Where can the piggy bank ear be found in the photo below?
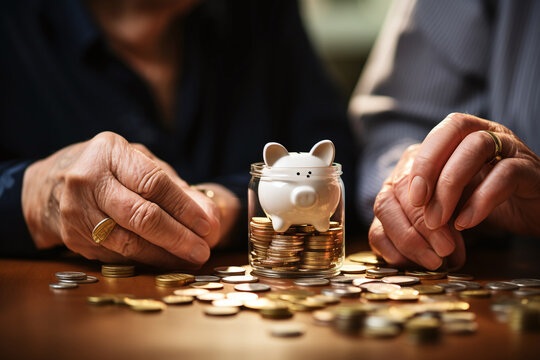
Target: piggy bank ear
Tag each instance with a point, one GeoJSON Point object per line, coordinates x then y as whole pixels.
{"type": "Point", "coordinates": [273, 152]}
{"type": "Point", "coordinates": [324, 150]}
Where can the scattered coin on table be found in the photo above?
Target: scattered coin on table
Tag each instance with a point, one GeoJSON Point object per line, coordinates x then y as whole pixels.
{"type": "Point", "coordinates": [252, 287]}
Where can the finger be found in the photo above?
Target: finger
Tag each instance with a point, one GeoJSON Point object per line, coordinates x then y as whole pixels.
{"type": "Point", "coordinates": [508, 177]}
{"type": "Point", "coordinates": [382, 246]}
{"type": "Point", "coordinates": [436, 149]}
{"type": "Point", "coordinates": [143, 176]}
{"type": "Point", "coordinates": [165, 166]}
{"type": "Point", "coordinates": [440, 239]}
{"type": "Point", "coordinates": [133, 247]}
{"type": "Point", "coordinates": [149, 221]}
{"type": "Point", "coordinates": [468, 159]}
{"type": "Point", "coordinates": [457, 259]}
{"type": "Point", "coordinates": [399, 230]}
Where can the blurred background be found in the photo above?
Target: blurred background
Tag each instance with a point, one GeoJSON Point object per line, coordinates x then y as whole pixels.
{"type": "Point", "coordinates": [342, 32]}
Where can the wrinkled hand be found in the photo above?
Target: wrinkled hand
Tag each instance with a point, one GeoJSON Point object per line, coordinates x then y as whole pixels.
{"type": "Point", "coordinates": [449, 176]}
{"type": "Point", "coordinates": [160, 220]}
{"type": "Point", "coordinates": [398, 232]}
{"type": "Point", "coordinates": [454, 160]}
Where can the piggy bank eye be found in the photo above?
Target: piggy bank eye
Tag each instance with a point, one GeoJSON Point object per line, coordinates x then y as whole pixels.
{"type": "Point", "coordinates": [298, 173]}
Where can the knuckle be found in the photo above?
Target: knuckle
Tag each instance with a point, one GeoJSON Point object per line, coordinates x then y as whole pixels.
{"type": "Point", "coordinates": [130, 246]}
{"type": "Point", "coordinates": [145, 217]}
{"type": "Point", "coordinates": [447, 180]}
{"type": "Point", "coordinates": [508, 168]}
{"type": "Point", "coordinates": [407, 244]}
{"type": "Point", "coordinates": [379, 204]}
{"type": "Point", "coordinates": [151, 181]}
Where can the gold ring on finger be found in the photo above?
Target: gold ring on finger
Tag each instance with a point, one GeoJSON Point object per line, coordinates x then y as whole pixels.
{"type": "Point", "coordinates": [102, 230]}
{"type": "Point", "coordinates": [498, 147]}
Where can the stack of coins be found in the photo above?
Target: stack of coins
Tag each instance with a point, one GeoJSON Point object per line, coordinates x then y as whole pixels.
{"type": "Point", "coordinates": [300, 248]}
{"type": "Point", "coordinates": [174, 280]}
{"type": "Point", "coordinates": [117, 271]}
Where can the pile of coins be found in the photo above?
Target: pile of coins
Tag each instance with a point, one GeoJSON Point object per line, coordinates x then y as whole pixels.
{"type": "Point", "coordinates": [117, 271]}
{"type": "Point", "coordinates": [300, 249]}
{"type": "Point", "coordinates": [72, 279]}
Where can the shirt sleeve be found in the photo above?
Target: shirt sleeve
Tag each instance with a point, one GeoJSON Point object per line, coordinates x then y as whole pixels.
{"type": "Point", "coordinates": [15, 240]}
{"type": "Point", "coordinates": [430, 60]}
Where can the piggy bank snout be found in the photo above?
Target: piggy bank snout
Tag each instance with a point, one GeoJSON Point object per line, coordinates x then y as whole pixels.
{"type": "Point", "coordinates": [304, 196]}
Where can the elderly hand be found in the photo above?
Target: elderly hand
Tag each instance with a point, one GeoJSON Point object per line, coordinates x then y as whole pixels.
{"type": "Point", "coordinates": [160, 220]}
{"type": "Point", "coordinates": [451, 175]}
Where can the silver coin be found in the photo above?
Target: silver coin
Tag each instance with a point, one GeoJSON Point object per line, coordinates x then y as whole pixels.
{"type": "Point", "coordinates": [526, 282]}
{"type": "Point", "coordinates": [229, 270]}
{"type": "Point", "coordinates": [252, 287]}
{"type": "Point", "coordinates": [362, 281]}
{"type": "Point", "coordinates": [342, 279]}
{"type": "Point", "coordinates": [471, 285]}
{"type": "Point", "coordinates": [207, 278]}
{"type": "Point", "coordinates": [380, 288]}
{"type": "Point", "coordinates": [238, 279]}
{"type": "Point", "coordinates": [452, 287]}
{"type": "Point", "coordinates": [209, 297]}
{"type": "Point", "coordinates": [342, 292]}
{"type": "Point", "coordinates": [63, 285]}
{"type": "Point", "coordinates": [501, 286]}
{"type": "Point", "coordinates": [288, 330]}
{"type": "Point", "coordinates": [70, 275]}
{"type": "Point", "coordinates": [401, 280]}
{"type": "Point", "coordinates": [221, 310]}
{"type": "Point", "coordinates": [353, 269]}
{"type": "Point", "coordinates": [88, 280]}
{"type": "Point", "coordinates": [526, 292]}
{"type": "Point", "coordinates": [311, 282]}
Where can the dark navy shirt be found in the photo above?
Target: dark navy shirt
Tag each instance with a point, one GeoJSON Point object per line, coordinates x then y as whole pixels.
{"type": "Point", "coordinates": [249, 76]}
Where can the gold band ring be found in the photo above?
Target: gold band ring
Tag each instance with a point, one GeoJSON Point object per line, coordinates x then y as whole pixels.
{"type": "Point", "coordinates": [102, 230]}
{"type": "Point", "coordinates": [498, 147]}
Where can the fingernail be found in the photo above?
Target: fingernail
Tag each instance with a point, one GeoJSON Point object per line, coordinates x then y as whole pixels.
{"type": "Point", "coordinates": [199, 254]}
{"type": "Point", "coordinates": [433, 215]}
{"type": "Point", "coordinates": [464, 219]}
{"type": "Point", "coordinates": [429, 259]}
{"type": "Point", "coordinates": [201, 227]}
{"type": "Point", "coordinates": [440, 242]}
{"type": "Point", "coordinates": [418, 191]}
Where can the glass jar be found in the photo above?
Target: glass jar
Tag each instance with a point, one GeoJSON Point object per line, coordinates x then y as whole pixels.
{"type": "Point", "coordinates": [313, 248]}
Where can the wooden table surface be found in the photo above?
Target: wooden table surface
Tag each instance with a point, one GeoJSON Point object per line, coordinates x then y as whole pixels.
{"type": "Point", "coordinates": [40, 323]}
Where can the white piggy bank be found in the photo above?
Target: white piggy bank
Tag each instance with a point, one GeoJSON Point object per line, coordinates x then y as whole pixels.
{"type": "Point", "coordinates": [299, 188]}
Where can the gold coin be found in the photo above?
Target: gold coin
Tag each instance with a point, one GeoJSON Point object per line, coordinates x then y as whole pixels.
{"type": "Point", "coordinates": [429, 289]}
{"type": "Point", "coordinates": [100, 299]}
{"type": "Point", "coordinates": [366, 257]}
{"type": "Point", "coordinates": [375, 296]}
{"type": "Point", "coordinates": [404, 294]}
{"type": "Point", "coordinates": [174, 280]}
{"type": "Point", "coordinates": [475, 294]}
{"type": "Point", "coordinates": [207, 285]}
{"type": "Point", "coordinates": [102, 230]}
{"type": "Point", "coordinates": [177, 299]}
{"type": "Point", "coordinates": [426, 275]}
{"type": "Point", "coordinates": [145, 304]}
{"type": "Point", "coordinates": [221, 310]}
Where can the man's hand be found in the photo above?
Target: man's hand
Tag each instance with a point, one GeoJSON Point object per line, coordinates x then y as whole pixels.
{"type": "Point", "coordinates": [160, 220]}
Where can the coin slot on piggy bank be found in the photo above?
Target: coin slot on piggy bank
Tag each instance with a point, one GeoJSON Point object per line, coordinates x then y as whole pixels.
{"type": "Point", "coordinates": [296, 212]}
